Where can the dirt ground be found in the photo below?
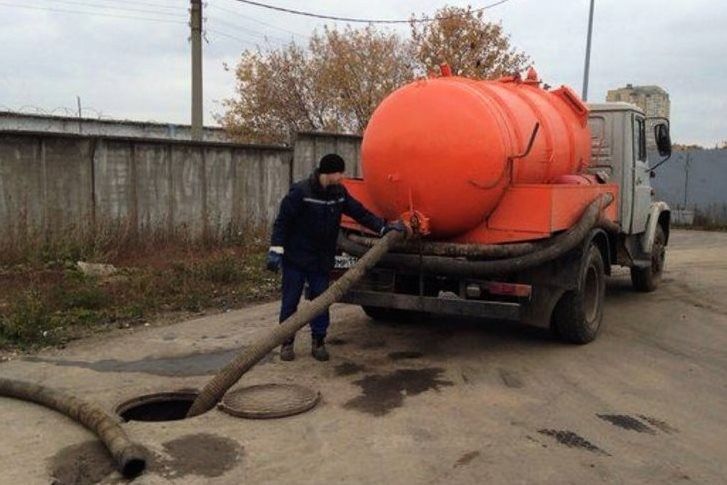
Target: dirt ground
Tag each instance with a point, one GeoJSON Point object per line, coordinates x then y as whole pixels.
{"type": "Point", "coordinates": [435, 402]}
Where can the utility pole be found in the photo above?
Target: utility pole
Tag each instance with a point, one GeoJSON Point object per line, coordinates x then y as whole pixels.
{"type": "Point", "coordinates": [588, 54]}
{"type": "Point", "coordinates": [195, 23]}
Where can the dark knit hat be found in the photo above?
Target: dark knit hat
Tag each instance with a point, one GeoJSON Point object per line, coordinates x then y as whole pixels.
{"type": "Point", "coordinates": [331, 163]}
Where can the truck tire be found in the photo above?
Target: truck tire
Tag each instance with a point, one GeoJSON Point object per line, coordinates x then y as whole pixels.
{"type": "Point", "coordinates": [648, 279]}
{"type": "Point", "coordinates": [578, 314]}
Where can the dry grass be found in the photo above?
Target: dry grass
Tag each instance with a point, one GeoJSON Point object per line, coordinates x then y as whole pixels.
{"type": "Point", "coordinates": [46, 300]}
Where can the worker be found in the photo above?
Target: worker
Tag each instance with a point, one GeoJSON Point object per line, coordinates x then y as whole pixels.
{"type": "Point", "coordinates": [304, 242]}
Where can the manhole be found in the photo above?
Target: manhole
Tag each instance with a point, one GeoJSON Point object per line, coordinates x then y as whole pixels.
{"type": "Point", "coordinates": [161, 406]}
{"type": "Point", "coordinates": [269, 401]}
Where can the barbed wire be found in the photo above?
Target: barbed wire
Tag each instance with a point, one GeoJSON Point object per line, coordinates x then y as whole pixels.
{"type": "Point", "coordinates": [67, 112]}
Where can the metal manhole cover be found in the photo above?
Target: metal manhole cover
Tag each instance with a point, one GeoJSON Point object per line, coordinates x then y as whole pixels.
{"type": "Point", "coordinates": [269, 401]}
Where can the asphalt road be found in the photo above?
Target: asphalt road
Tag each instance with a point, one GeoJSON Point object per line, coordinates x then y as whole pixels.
{"type": "Point", "coordinates": [433, 402]}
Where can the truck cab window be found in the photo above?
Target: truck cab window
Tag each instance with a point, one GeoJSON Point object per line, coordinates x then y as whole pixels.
{"type": "Point", "coordinates": [639, 139]}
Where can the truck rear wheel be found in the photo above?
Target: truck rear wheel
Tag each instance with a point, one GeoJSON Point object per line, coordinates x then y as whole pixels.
{"type": "Point", "coordinates": [648, 279]}
{"type": "Point", "coordinates": [578, 314]}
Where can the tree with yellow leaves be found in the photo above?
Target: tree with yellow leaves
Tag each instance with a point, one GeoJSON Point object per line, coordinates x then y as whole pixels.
{"type": "Point", "coordinates": [338, 80]}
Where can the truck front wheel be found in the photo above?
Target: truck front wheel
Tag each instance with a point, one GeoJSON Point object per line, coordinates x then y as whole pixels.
{"type": "Point", "coordinates": [648, 279]}
{"type": "Point", "coordinates": [578, 314]}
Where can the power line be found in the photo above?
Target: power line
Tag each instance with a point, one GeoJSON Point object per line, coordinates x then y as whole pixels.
{"type": "Point", "coordinates": [127, 9]}
{"type": "Point", "coordinates": [94, 14]}
{"type": "Point", "coordinates": [230, 36]}
{"type": "Point", "coordinates": [246, 30]}
{"type": "Point", "coordinates": [146, 4]}
{"type": "Point", "coordinates": [272, 26]}
{"type": "Point", "coordinates": [361, 20]}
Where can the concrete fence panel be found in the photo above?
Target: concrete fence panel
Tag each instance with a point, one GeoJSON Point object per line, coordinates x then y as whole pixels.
{"type": "Point", "coordinates": [21, 184]}
{"type": "Point", "coordinates": [113, 180]}
{"type": "Point", "coordinates": [310, 147]}
{"type": "Point", "coordinates": [68, 178]}
{"type": "Point", "coordinates": [153, 187]}
{"type": "Point", "coordinates": [54, 182]}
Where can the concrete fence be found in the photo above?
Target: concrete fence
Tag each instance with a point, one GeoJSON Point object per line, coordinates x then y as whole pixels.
{"type": "Point", "coordinates": [694, 181]}
{"type": "Point", "coordinates": [310, 147]}
{"type": "Point", "coordinates": [53, 182]}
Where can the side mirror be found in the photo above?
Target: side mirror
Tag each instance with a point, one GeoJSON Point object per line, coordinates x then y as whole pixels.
{"type": "Point", "coordinates": [663, 140]}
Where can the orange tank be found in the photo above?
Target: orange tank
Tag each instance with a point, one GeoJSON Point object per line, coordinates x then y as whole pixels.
{"type": "Point", "coordinates": [449, 147]}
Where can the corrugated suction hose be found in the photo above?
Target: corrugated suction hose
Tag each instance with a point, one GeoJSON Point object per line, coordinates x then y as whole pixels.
{"type": "Point", "coordinates": [526, 255]}
{"type": "Point", "coordinates": [231, 373]}
{"type": "Point", "coordinates": [129, 457]}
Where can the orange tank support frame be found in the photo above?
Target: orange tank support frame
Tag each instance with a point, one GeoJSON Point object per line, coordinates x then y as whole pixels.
{"type": "Point", "coordinates": [525, 212]}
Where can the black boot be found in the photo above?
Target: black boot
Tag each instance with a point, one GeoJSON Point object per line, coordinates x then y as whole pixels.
{"type": "Point", "coordinates": [318, 349]}
{"type": "Point", "coordinates": [287, 353]}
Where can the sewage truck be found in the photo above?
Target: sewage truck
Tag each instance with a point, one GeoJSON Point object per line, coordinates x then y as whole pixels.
{"type": "Point", "coordinates": [521, 199]}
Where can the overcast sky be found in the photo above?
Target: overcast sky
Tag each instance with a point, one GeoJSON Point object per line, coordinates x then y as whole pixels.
{"type": "Point", "coordinates": [135, 63]}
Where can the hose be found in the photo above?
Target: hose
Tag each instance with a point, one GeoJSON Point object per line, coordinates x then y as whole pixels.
{"type": "Point", "coordinates": [231, 373]}
{"type": "Point", "coordinates": [557, 246]}
{"type": "Point", "coordinates": [435, 248]}
{"type": "Point", "coordinates": [129, 457]}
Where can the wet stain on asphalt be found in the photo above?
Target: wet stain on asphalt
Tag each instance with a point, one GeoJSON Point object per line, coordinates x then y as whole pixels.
{"type": "Point", "coordinates": [348, 369]}
{"type": "Point", "coordinates": [466, 458]}
{"type": "Point", "coordinates": [659, 424]}
{"type": "Point", "coordinates": [373, 344]}
{"type": "Point", "coordinates": [336, 341]}
{"type": "Point", "coordinates": [200, 454]}
{"type": "Point", "coordinates": [87, 462]}
{"type": "Point", "coordinates": [407, 354]}
{"type": "Point", "coordinates": [510, 379]}
{"type": "Point", "coordinates": [383, 393]}
{"type": "Point", "coordinates": [572, 440]}
{"type": "Point", "coordinates": [186, 365]}
{"type": "Point", "coordinates": [626, 422]}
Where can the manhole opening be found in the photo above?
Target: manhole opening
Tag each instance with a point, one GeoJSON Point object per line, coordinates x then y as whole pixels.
{"type": "Point", "coordinates": [162, 406]}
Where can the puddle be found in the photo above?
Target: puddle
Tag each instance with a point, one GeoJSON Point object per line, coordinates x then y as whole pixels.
{"type": "Point", "coordinates": [626, 422]}
{"type": "Point", "coordinates": [658, 423]}
{"type": "Point", "coordinates": [383, 393]}
{"type": "Point", "coordinates": [348, 369]}
{"type": "Point", "coordinates": [407, 354]}
{"type": "Point", "coordinates": [200, 454]}
{"type": "Point", "coordinates": [572, 440]}
{"type": "Point", "coordinates": [185, 365]}
{"type": "Point", "coordinates": [373, 344]}
{"type": "Point", "coordinates": [83, 463]}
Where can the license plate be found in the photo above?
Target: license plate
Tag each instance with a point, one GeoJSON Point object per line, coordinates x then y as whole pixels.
{"type": "Point", "coordinates": [344, 261]}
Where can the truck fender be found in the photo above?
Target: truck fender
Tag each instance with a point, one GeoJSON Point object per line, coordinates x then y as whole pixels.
{"type": "Point", "coordinates": [600, 238]}
{"type": "Point", "coordinates": [553, 279]}
{"type": "Point", "coordinates": [658, 212]}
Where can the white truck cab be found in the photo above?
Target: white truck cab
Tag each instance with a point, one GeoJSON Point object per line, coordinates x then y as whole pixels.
{"type": "Point", "coordinates": [619, 139]}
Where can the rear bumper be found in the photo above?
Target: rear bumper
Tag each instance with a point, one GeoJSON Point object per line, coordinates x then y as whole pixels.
{"type": "Point", "coordinates": [429, 304]}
